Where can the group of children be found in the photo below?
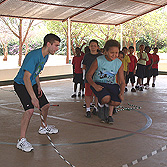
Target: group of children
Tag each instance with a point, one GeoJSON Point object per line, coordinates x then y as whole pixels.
{"type": "Point", "coordinates": [144, 66]}
{"type": "Point", "coordinates": [105, 76]}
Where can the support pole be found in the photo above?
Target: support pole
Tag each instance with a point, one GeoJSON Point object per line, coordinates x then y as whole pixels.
{"type": "Point", "coordinates": [68, 41]}
{"type": "Point", "coordinates": [121, 37]}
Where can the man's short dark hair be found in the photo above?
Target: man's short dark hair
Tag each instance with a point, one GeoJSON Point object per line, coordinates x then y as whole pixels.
{"type": "Point", "coordinates": [51, 38]}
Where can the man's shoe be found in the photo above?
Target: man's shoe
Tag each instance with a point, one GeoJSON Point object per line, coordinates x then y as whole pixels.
{"type": "Point", "coordinates": [24, 145]}
{"type": "Point", "coordinates": [133, 90]}
{"type": "Point", "coordinates": [50, 129]}
{"type": "Point", "coordinates": [110, 120]}
{"type": "Point", "coordinates": [153, 84]}
{"type": "Point", "coordinates": [83, 95]}
{"type": "Point", "coordinates": [88, 114]}
{"type": "Point", "coordinates": [73, 96]}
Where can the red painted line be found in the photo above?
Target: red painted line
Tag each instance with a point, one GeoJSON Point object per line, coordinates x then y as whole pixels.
{"type": "Point", "coordinates": [123, 130]}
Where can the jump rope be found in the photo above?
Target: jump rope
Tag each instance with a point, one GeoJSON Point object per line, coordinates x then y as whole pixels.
{"type": "Point", "coordinates": [49, 138]}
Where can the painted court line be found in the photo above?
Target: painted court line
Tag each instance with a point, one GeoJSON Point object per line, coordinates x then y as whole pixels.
{"type": "Point", "coordinates": [107, 127]}
{"type": "Point", "coordinates": [145, 157]}
{"type": "Point", "coordinates": [123, 130]}
{"type": "Point", "coordinates": [137, 132]}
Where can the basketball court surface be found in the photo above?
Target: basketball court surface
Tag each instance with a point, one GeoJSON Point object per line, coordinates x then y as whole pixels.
{"type": "Point", "coordinates": [137, 138]}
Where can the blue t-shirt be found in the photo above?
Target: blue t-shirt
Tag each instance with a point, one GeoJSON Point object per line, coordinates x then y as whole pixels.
{"type": "Point", "coordinates": [106, 70]}
{"type": "Point", "coordinates": [34, 63]}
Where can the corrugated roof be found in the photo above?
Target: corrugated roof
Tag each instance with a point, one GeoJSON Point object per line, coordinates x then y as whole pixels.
{"type": "Point", "coordinates": [113, 12]}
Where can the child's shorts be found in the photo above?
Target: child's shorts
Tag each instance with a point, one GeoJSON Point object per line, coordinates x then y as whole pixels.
{"type": "Point", "coordinates": [155, 72]}
{"type": "Point", "coordinates": [148, 72]}
{"type": "Point", "coordinates": [130, 76]}
{"type": "Point", "coordinates": [78, 78]}
{"type": "Point", "coordinates": [25, 97]}
{"type": "Point", "coordinates": [140, 72]}
{"type": "Point", "coordinates": [112, 90]}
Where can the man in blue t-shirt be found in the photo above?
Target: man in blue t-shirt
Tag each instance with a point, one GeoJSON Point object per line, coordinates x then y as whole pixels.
{"type": "Point", "coordinates": [27, 86]}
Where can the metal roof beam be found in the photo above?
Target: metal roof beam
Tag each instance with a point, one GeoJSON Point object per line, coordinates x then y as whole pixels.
{"type": "Point", "coordinates": [3, 1]}
{"type": "Point", "coordinates": [144, 3]}
{"type": "Point", "coordinates": [84, 10]}
{"type": "Point", "coordinates": [46, 3]}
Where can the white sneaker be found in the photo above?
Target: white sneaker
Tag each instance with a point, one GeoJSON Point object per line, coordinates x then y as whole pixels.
{"type": "Point", "coordinates": [24, 145]}
{"type": "Point", "coordinates": [50, 129]}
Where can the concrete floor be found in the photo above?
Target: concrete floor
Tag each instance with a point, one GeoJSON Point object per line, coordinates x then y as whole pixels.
{"type": "Point", "coordinates": [137, 137]}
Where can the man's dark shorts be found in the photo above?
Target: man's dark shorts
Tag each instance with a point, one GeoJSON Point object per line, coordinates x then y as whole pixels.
{"type": "Point", "coordinates": [25, 97]}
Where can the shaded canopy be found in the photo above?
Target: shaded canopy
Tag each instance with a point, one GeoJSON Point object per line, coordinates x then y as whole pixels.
{"type": "Point", "coordinates": [111, 12]}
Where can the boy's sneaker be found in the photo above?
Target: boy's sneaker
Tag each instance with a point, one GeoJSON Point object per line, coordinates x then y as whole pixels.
{"type": "Point", "coordinates": [24, 145]}
{"type": "Point", "coordinates": [103, 121]}
{"type": "Point", "coordinates": [153, 84]}
{"type": "Point", "coordinates": [126, 89]}
{"type": "Point", "coordinates": [110, 120]}
{"type": "Point", "coordinates": [73, 96]}
{"type": "Point", "coordinates": [88, 114]}
{"type": "Point", "coordinates": [79, 94]}
{"type": "Point", "coordinates": [141, 88]}
{"type": "Point", "coordinates": [94, 112]}
{"type": "Point", "coordinates": [50, 129]}
{"type": "Point", "coordinates": [133, 90]}
{"type": "Point", "coordinates": [115, 111]}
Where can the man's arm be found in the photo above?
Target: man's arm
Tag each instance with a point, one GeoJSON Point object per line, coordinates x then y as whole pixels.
{"type": "Point", "coordinates": [39, 86]}
{"type": "Point", "coordinates": [29, 88]}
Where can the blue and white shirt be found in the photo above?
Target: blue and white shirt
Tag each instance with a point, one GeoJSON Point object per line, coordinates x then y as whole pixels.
{"type": "Point", "coordinates": [106, 70]}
